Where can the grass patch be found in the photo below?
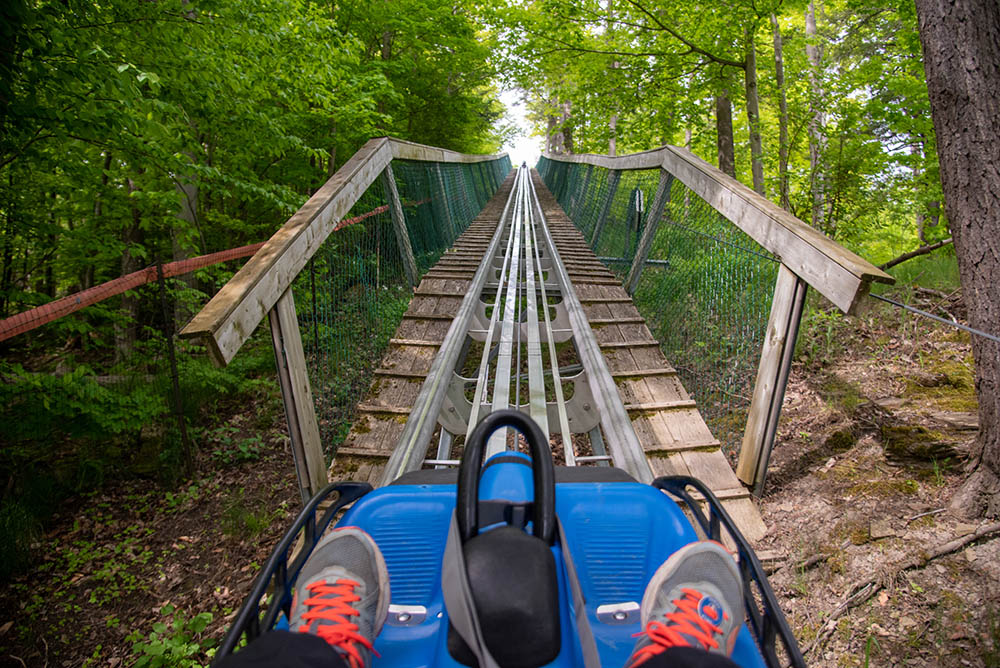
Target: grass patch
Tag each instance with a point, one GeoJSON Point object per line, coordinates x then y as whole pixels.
{"type": "Point", "coordinates": [884, 489]}
{"type": "Point", "coordinates": [938, 270]}
{"type": "Point", "coordinates": [951, 386]}
{"type": "Point", "coordinates": [240, 520]}
{"type": "Point", "coordinates": [840, 394]}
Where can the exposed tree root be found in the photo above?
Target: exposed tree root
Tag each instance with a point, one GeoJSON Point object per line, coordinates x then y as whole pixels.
{"type": "Point", "coordinates": [862, 591]}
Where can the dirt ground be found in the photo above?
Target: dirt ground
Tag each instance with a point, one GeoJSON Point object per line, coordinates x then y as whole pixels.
{"type": "Point", "coordinates": [139, 573]}
{"type": "Point", "coordinates": [873, 442]}
{"type": "Point", "coordinates": [876, 427]}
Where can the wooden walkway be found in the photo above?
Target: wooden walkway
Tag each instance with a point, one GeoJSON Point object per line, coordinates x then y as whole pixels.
{"type": "Point", "coordinates": [665, 419]}
{"type": "Point", "coordinates": [384, 410]}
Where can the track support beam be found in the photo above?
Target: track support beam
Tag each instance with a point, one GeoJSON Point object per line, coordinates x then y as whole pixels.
{"type": "Point", "coordinates": [772, 378]}
{"type": "Point", "coordinates": [652, 225]}
{"type": "Point", "coordinates": [307, 448]}
{"type": "Point", "coordinates": [399, 226]}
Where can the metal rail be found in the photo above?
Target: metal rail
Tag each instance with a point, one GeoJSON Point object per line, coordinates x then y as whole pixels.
{"type": "Point", "coordinates": [520, 281]}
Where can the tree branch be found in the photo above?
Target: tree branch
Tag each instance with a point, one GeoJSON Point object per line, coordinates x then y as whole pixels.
{"type": "Point", "coordinates": [742, 64]}
{"type": "Point", "coordinates": [923, 250]}
{"type": "Point", "coordinates": [862, 591]}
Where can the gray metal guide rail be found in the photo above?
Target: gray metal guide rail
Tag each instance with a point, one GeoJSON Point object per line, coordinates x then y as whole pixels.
{"type": "Point", "coordinates": [524, 334]}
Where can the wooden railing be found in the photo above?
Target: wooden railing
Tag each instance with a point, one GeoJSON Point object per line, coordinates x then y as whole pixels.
{"type": "Point", "coordinates": [262, 288]}
{"type": "Point", "coordinates": [808, 258]}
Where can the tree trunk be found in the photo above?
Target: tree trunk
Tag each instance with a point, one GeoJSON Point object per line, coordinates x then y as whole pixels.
{"type": "Point", "coordinates": [562, 138]}
{"type": "Point", "coordinates": [550, 134]}
{"type": "Point", "coordinates": [753, 112]}
{"type": "Point", "coordinates": [612, 139]}
{"type": "Point", "coordinates": [188, 215]}
{"type": "Point", "coordinates": [87, 275]}
{"type": "Point", "coordinates": [7, 262]}
{"type": "Point", "coordinates": [49, 284]}
{"type": "Point", "coordinates": [779, 79]}
{"type": "Point", "coordinates": [724, 132]}
{"type": "Point", "coordinates": [125, 331]}
{"type": "Point", "coordinates": [961, 44]}
{"type": "Point", "coordinates": [816, 122]}
{"type": "Point", "coordinates": [609, 33]}
{"type": "Point", "coordinates": [567, 128]}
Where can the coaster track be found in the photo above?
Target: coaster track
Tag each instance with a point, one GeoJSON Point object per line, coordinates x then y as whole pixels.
{"type": "Point", "coordinates": [522, 311]}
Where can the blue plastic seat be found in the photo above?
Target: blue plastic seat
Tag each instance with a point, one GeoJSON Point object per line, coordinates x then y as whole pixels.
{"type": "Point", "coordinates": [618, 534]}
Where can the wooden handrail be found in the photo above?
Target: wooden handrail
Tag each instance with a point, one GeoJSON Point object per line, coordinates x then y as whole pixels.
{"type": "Point", "coordinates": [229, 319]}
{"type": "Point", "coordinates": [835, 272]}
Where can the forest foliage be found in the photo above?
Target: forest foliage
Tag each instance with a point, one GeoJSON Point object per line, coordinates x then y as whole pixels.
{"type": "Point", "coordinates": [144, 132]}
{"type": "Point", "coordinates": [838, 109]}
{"type": "Point", "coordinates": [138, 132]}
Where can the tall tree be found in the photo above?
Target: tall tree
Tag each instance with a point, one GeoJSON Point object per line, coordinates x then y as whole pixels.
{"type": "Point", "coordinates": [961, 43]}
{"type": "Point", "coordinates": [817, 121]}
{"type": "Point", "coordinates": [779, 82]}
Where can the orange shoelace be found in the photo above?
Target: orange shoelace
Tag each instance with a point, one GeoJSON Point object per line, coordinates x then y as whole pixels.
{"type": "Point", "coordinates": [332, 604]}
{"type": "Point", "coordinates": [685, 622]}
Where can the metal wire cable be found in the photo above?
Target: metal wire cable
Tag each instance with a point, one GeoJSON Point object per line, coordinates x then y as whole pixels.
{"type": "Point", "coordinates": [957, 325]}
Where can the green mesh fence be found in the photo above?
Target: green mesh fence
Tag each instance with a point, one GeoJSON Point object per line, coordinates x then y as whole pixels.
{"type": "Point", "coordinates": [705, 291]}
{"type": "Point", "coordinates": [352, 295]}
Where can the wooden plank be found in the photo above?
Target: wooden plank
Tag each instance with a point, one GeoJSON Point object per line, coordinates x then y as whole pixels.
{"type": "Point", "coordinates": [664, 371]}
{"type": "Point", "coordinates": [428, 316]}
{"type": "Point", "coordinates": [407, 150]}
{"type": "Point", "coordinates": [376, 408]}
{"type": "Point", "coordinates": [837, 273]}
{"type": "Point", "coordinates": [363, 452]}
{"type": "Point", "coordinates": [711, 468]}
{"type": "Point", "coordinates": [746, 516]}
{"type": "Point", "coordinates": [415, 342]}
{"type": "Point", "coordinates": [400, 374]}
{"type": "Point", "coordinates": [606, 300]}
{"type": "Point", "coordinates": [293, 378]}
{"type": "Point", "coordinates": [373, 431]}
{"type": "Point", "coordinates": [660, 405]}
{"type": "Point", "coordinates": [645, 160]}
{"type": "Point", "coordinates": [668, 465]}
{"type": "Point", "coordinates": [406, 359]}
{"type": "Point", "coordinates": [229, 319]}
{"type": "Point", "coordinates": [632, 344]}
{"type": "Point", "coordinates": [234, 313]}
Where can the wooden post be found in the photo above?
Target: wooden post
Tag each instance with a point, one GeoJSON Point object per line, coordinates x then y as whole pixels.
{"type": "Point", "coordinates": [487, 188]}
{"type": "Point", "coordinates": [482, 182]}
{"type": "Point", "coordinates": [494, 175]}
{"type": "Point", "coordinates": [652, 224]}
{"type": "Point", "coordinates": [399, 225]}
{"type": "Point", "coordinates": [772, 377]}
{"type": "Point", "coordinates": [445, 204]}
{"type": "Point", "coordinates": [582, 195]}
{"type": "Point", "coordinates": [469, 194]}
{"type": "Point", "coordinates": [307, 449]}
{"type": "Point", "coordinates": [613, 178]}
{"type": "Point", "coordinates": [168, 333]}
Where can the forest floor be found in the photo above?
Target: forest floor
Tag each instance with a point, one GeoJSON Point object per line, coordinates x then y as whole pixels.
{"type": "Point", "coordinates": [878, 420]}
{"type": "Point", "coordinates": [874, 439]}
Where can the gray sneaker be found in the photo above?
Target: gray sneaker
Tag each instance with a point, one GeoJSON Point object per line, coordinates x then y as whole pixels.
{"type": "Point", "coordinates": [342, 594]}
{"type": "Point", "coordinates": [695, 599]}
